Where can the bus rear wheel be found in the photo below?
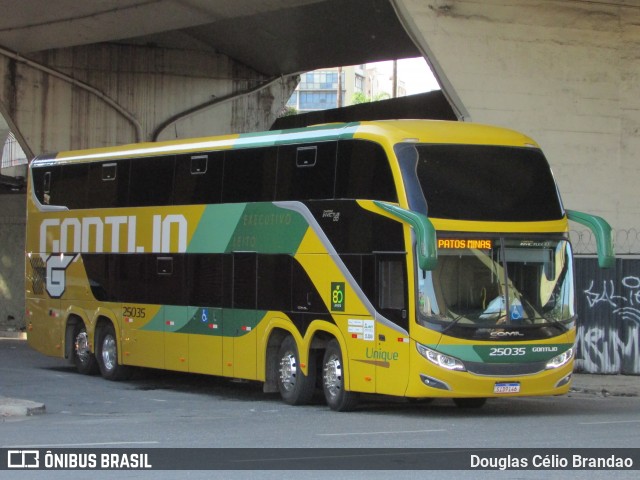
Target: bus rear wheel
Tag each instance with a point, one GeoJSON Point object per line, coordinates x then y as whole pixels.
{"type": "Point", "coordinates": [336, 396]}
{"type": "Point", "coordinates": [107, 355]}
{"type": "Point", "coordinates": [295, 387]}
{"type": "Point", "coordinates": [83, 358]}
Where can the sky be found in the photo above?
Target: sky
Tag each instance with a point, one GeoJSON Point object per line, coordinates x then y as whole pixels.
{"type": "Point", "coordinates": [414, 72]}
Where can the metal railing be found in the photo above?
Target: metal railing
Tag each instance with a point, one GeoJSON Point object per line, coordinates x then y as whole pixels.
{"type": "Point", "coordinates": [12, 154]}
{"type": "Point", "coordinates": [625, 242]}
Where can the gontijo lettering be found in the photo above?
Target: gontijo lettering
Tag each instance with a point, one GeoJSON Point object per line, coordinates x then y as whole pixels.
{"type": "Point", "coordinates": [87, 234]}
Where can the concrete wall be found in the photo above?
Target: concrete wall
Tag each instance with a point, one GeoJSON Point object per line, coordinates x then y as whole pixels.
{"type": "Point", "coordinates": [110, 94]}
{"type": "Point", "coordinates": [12, 226]}
{"type": "Point", "coordinates": [608, 303]}
{"type": "Point", "coordinates": [566, 73]}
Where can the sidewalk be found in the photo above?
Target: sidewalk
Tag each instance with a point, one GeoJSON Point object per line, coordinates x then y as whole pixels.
{"type": "Point", "coordinates": [607, 385]}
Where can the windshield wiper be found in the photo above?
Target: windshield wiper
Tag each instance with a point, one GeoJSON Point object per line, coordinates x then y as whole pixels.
{"type": "Point", "coordinates": [452, 324]}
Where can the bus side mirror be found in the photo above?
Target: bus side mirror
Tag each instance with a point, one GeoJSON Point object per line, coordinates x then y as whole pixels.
{"type": "Point", "coordinates": [424, 230]}
{"type": "Point", "coordinates": [602, 231]}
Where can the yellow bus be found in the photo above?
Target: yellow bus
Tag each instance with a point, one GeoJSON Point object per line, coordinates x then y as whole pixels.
{"type": "Point", "coordinates": [418, 259]}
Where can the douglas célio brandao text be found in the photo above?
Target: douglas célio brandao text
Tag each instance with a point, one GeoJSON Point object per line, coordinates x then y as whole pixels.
{"type": "Point", "coordinates": [550, 461]}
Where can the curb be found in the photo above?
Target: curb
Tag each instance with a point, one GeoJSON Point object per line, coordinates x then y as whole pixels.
{"type": "Point", "coordinates": [13, 407]}
{"type": "Point", "coordinates": [14, 335]}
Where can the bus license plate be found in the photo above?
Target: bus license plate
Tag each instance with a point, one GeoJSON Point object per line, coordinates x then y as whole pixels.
{"type": "Point", "coordinates": [506, 388]}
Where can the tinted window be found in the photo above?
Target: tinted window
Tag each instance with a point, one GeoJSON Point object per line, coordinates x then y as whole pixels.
{"type": "Point", "coordinates": [391, 288]}
{"type": "Point", "coordinates": [364, 172]}
{"type": "Point", "coordinates": [206, 280]}
{"type": "Point", "coordinates": [71, 189]}
{"type": "Point", "coordinates": [151, 181]}
{"type": "Point", "coordinates": [199, 178]}
{"type": "Point", "coordinates": [43, 179]}
{"type": "Point", "coordinates": [352, 229]}
{"type": "Point", "coordinates": [133, 280]}
{"type": "Point", "coordinates": [362, 268]}
{"type": "Point", "coordinates": [168, 285]}
{"type": "Point", "coordinates": [306, 172]}
{"type": "Point", "coordinates": [477, 182]}
{"type": "Point", "coordinates": [249, 175]}
{"type": "Point", "coordinates": [304, 295]}
{"type": "Point", "coordinates": [101, 273]}
{"type": "Point", "coordinates": [244, 280]}
{"type": "Point", "coordinates": [108, 184]}
{"type": "Point", "coordinates": [274, 282]}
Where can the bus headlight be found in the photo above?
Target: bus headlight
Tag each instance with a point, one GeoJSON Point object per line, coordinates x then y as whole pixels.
{"type": "Point", "coordinates": [440, 359]}
{"type": "Point", "coordinates": [560, 360]}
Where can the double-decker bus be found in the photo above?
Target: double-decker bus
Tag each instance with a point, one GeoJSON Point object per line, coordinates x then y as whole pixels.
{"type": "Point", "coordinates": [418, 259]}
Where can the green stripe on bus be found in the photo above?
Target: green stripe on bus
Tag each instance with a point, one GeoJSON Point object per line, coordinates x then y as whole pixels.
{"type": "Point", "coordinates": [255, 227]}
{"type": "Point", "coordinates": [321, 133]}
{"type": "Point", "coordinates": [218, 322]}
{"type": "Point", "coordinates": [265, 228]}
{"type": "Point", "coordinates": [216, 228]}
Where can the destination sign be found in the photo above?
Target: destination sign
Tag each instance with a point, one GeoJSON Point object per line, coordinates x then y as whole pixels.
{"type": "Point", "coordinates": [459, 243]}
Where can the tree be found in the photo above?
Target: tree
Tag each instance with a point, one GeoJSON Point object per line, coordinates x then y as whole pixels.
{"type": "Point", "coordinates": [288, 112]}
{"type": "Point", "coordinates": [360, 97]}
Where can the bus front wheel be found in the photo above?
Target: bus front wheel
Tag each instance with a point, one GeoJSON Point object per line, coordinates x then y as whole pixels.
{"type": "Point", "coordinates": [295, 387]}
{"type": "Point", "coordinates": [107, 355]}
{"type": "Point", "coordinates": [337, 397]}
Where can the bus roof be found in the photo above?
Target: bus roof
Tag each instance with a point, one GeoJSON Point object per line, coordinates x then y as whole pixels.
{"type": "Point", "coordinates": [387, 132]}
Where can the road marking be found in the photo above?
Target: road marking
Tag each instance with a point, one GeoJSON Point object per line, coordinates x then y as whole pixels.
{"type": "Point", "coordinates": [376, 433]}
{"type": "Point", "coordinates": [607, 423]}
{"type": "Point", "coordinates": [65, 445]}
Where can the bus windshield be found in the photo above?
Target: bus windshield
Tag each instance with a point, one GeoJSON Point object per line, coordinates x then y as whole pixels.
{"type": "Point", "coordinates": [487, 183]}
{"type": "Point", "coordinates": [495, 282]}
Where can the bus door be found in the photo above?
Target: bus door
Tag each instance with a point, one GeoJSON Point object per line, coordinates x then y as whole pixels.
{"type": "Point", "coordinates": [239, 323]}
{"type": "Point", "coordinates": [391, 354]}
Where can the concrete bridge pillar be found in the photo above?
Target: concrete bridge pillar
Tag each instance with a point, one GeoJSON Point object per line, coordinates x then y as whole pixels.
{"type": "Point", "coordinates": [566, 73]}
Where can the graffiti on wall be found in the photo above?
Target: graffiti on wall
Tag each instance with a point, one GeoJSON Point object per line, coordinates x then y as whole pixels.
{"type": "Point", "coordinates": [608, 317]}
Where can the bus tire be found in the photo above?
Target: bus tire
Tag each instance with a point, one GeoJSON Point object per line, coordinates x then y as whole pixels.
{"type": "Point", "coordinates": [83, 357]}
{"type": "Point", "coordinates": [107, 355]}
{"type": "Point", "coordinates": [295, 387]}
{"type": "Point", "coordinates": [337, 397]}
{"type": "Point", "coordinates": [469, 402]}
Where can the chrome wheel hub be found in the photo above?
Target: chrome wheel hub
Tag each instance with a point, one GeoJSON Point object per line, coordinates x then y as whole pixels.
{"type": "Point", "coordinates": [109, 352]}
{"type": "Point", "coordinates": [332, 375]}
{"type": "Point", "coordinates": [82, 347]}
{"type": "Point", "coordinates": [288, 371]}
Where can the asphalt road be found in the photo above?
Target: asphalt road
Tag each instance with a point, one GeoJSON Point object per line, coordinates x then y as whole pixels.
{"type": "Point", "coordinates": [169, 410]}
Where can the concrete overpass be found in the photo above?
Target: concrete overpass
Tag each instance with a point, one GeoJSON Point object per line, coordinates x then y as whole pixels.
{"type": "Point", "coordinates": [80, 74]}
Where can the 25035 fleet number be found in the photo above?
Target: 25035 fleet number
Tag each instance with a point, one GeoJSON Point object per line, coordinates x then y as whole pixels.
{"type": "Point", "coordinates": [507, 351]}
{"type": "Point", "coordinates": [133, 312]}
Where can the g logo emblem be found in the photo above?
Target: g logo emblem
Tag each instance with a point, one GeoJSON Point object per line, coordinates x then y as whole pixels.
{"type": "Point", "coordinates": [57, 274]}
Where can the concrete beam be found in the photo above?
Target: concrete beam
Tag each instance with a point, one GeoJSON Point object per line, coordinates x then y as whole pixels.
{"type": "Point", "coordinates": [108, 94]}
{"type": "Point", "coordinates": [34, 25]}
{"type": "Point", "coordinates": [566, 73]}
